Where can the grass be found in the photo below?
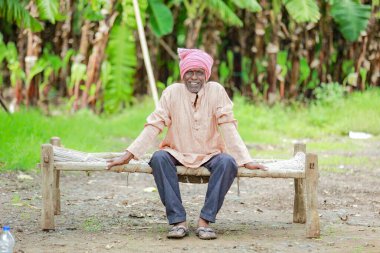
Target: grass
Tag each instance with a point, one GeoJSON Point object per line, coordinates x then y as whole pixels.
{"type": "Point", "coordinates": [92, 224]}
{"type": "Point", "coordinates": [358, 112]}
{"type": "Point", "coordinates": [21, 134]}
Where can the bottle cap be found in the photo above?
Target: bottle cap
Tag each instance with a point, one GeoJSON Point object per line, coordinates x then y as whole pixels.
{"type": "Point", "coordinates": [6, 228]}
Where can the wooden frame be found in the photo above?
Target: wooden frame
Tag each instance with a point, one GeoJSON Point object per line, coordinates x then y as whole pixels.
{"type": "Point", "coordinates": [305, 208]}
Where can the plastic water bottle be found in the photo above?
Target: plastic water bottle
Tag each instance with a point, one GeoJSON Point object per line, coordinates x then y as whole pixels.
{"type": "Point", "coordinates": [7, 242]}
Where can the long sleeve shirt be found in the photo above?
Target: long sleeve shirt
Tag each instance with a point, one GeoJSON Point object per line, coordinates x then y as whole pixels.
{"type": "Point", "coordinates": [198, 128]}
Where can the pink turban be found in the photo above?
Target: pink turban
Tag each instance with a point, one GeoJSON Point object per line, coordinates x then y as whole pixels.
{"type": "Point", "coordinates": [194, 58]}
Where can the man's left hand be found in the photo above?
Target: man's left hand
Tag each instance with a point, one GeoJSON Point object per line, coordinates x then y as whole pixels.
{"type": "Point", "coordinates": [255, 166]}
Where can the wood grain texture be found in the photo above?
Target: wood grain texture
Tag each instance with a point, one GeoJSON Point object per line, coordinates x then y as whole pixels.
{"type": "Point", "coordinates": [312, 217]}
{"type": "Point", "coordinates": [47, 171]}
{"type": "Point", "coordinates": [299, 208]}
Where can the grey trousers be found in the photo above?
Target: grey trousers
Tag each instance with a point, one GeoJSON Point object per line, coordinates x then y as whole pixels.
{"type": "Point", "coordinates": [223, 169]}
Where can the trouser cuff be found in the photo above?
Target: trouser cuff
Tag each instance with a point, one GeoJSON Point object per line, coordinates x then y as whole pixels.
{"type": "Point", "coordinates": [177, 220]}
{"type": "Point", "coordinates": [207, 217]}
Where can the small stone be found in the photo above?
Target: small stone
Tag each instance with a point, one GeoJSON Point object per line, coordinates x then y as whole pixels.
{"type": "Point", "coordinates": [108, 246]}
{"type": "Point", "coordinates": [343, 215]}
{"type": "Point", "coordinates": [330, 243]}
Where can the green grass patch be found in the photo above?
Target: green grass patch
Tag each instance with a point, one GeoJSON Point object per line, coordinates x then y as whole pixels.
{"type": "Point", "coordinates": [263, 124]}
{"type": "Point", "coordinates": [92, 224]}
{"type": "Point", "coordinates": [22, 133]}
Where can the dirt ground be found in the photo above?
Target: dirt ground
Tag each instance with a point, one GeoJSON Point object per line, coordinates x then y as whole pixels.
{"type": "Point", "coordinates": [105, 212]}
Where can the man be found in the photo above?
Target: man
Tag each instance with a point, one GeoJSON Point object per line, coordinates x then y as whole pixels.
{"type": "Point", "coordinates": [197, 114]}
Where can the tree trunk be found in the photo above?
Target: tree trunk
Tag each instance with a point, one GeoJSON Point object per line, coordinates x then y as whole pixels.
{"type": "Point", "coordinates": [65, 37]}
{"type": "Point", "coordinates": [193, 30]}
{"type": "Point", "coordinates": [259, 47]}
{"type": "Point", "coordinates": [295, 60]}
{"type": "Point", "coordinates": [32, 53]}
{"type": "Point", "coordinates": [22, 41]}
{"type": "Point", "coordinates": [326, 35]}
{"type": "Point", "coordinates": [359, 62]}
{"type": "Point", "coordinates": [272, 50]}
{"type": "Point", "coordinates": [81, 57]}
{"type": "Point", "coordinates": [97, 55]}
{"type": "Point", "coordinates": [373, 52]}
{"type": "Point", "coordinates": [211, 40]}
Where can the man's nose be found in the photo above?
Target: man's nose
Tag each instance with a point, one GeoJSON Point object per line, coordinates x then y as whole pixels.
{"type": "Point", "coordinates": [194, 76]}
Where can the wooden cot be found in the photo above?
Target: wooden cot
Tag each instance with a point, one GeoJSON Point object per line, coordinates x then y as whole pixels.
{"type": "Point", "coordinates": [303, 168]}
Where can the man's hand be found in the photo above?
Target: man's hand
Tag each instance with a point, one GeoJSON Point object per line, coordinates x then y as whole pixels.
{"type": "Point", "coordinates": [121, 160]}
{"type": "Point", "coordinates": [255, 166]}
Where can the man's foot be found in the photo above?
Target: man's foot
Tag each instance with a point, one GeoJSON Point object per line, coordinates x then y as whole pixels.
{"type": "Point", "coordinates": [178, 231]}
{"type": "Point", "coordinates": [203, 231]}
{"type": "Point", "coordinates": [203, 223]}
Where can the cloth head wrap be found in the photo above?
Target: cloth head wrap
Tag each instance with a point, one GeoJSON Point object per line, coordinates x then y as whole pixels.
{"type": "Point", "coordinates": [194, 58]}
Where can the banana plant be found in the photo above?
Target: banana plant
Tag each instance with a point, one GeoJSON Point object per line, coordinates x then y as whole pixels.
{"type": "Point", "coordinates": [14, 12]}
{"type": "Point", "coordinates": [160, 18]}
{"type": "Point", "coordinates": [17, 74]}
{"type": "Point", "coordinates": [118, 76]}
{"type": "Point", "coordinates": [303, 10]}
{"type": "Point", "coordinates": [196, 11]}
{"type": "Point", "coordinates": [46, 65]}
{"type": "Point", "coordinates": [49, 10]}
{"type": "Point", "coordinates": [351, 16]}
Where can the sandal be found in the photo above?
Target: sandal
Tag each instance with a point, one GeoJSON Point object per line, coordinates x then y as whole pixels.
{"type": "Point", "coordinates": [177, 232]}
{"type": "Point", "coordinates": [205, 233]}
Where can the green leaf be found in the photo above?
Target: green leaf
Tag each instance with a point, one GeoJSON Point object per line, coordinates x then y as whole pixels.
{"type": "Point", "coordinates": [15, 13]}
{"type": "Point", "coordinates": [251, 5]}
{"type": "Point", "coordinates": [3, 50]}
{"type": "Point", "coordinates": [303, 10]}
{"type": "Point", "coordinates": [304, 70]}
{"type": "Point", "coordinates": [92, 15]}
{"type": "Point", "coordinates": [351, 17]}
{"type": "Point", "coordinates": [161, 18]}
{"type": "Point", "coordinates": [225, 13]}
{"type": "Point", "coordinates": [78, 73]}
{"type": "Point", "coordinates": [37, 68]}
{"type": "Point", "coordinates": [48, 10]}
{"type": "Point", "coordinates": [282, 60]}
{"type": "Point", "coordinates": [118, 78]}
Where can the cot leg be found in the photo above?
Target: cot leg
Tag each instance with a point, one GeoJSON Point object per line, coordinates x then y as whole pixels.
{"type": "Point", "coordinates": [48, 184]}
{"type": "Point", "coordinates": [312, 217]}
{"type": "Point", "coordinates": [299, 211]}
{"type": "Point", "coordinates": [56, 141]}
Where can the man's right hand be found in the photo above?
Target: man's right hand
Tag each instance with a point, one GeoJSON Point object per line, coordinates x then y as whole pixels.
{"type": "Point", "coordinates": [121, 160]}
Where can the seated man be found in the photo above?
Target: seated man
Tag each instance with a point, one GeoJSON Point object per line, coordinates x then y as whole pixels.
{"type": "Point", "coordinates": [201, 132]}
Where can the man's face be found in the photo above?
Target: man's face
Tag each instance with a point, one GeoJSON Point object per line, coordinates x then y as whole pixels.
{"type": "Point", "coordinates": [194, 79]}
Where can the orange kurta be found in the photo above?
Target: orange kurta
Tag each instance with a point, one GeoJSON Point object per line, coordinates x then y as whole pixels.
{"type": "Point", "coordinates": [194, 132]}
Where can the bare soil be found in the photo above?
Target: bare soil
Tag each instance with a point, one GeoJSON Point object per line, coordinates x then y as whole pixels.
{"type": "Point", "coordinates": [109, 212]}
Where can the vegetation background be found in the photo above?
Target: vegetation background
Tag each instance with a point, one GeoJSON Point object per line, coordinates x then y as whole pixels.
{"type": "Point", "coordinates": [74, 68]}
{"type": "Point", "coordinates": [297, 70]}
